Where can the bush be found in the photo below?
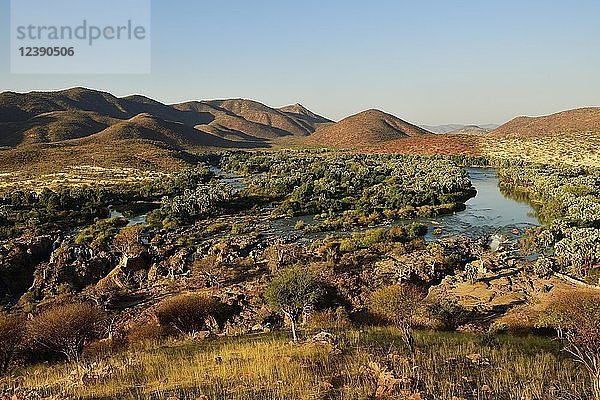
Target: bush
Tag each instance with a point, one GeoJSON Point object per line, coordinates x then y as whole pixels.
{"type": "Point", "coordinates": [99, 233]}
{"type": "Point", "coordinates": [330, 319]}
{"type": "Point", "coordinates": [398, 304]}
{"type": "Point", "coordinates": [65, 329]}
{"type": "Point", "coordinates": [448, 312]}
{"type": "Point", "coordinates": [150, 332]}
{"type": "Point", "coordinates": [189, 312]}
{"type": "Point", "coordinates": [294, 292]}
{"type": "Point", "coordinates": [576, 317]}
{"type": "Point", "coordinates": [11, 338]}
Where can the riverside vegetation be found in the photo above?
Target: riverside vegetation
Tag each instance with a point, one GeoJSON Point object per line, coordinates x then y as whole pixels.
{"type": "Point", "coordinates": [193, 302]}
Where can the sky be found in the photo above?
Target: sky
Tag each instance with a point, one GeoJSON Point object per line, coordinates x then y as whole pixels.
{"type": "Point", "coordinates": [427, 61]}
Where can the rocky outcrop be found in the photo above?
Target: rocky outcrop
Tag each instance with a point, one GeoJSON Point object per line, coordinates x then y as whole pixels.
{"type": "Point", "coordinates": [18, 261]}
{"type": "Point", "coordinates": [70, 268]}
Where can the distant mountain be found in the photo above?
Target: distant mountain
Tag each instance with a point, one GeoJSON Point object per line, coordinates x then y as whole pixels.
{"type": "Point", "coordinates": [259, 113]}
{"type": "Point", "coordinates": [447, 128]}
{"type": "Point", "coordinates": [579, 120]}
{"type": "Point", "coordinates": [470, 130]}
{"type": "Point", "coordinates": [304, 116]}
{"type": "Point", "coordinates": [368, 128]}
{"type": "Point", "coordinates": [442, 128]}
{"type": "Point", "coordinates": [42, 131]}
{"type": "Point", "coordinates": [227, 124]}
{"type": "Point", "coordinates": [75, 125]}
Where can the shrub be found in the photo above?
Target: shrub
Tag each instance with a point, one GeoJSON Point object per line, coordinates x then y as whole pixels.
{"type": "Point", "coordinates": [189, 312]}
{"type": "Point", "coordinates": [294, 292]}
{"type": "Point", "coordinates": [64, 329]}
{"type": "Point", "coordinates": [330, 319]}
{"type": "Point", "coordinates": [543, 267]}
{"type": "Point", "coordinates": [448, 312]}
{"type": "Point", "coordinates": [576, 317]}
{"type": "Point", "coordinates": [11, 337]}
{"type": "Point", "coordinates": [398, 304]}
{"type": "Point", "coordinates": [98, 234]}
{"type": "Point", "coordinates": [150, 332]}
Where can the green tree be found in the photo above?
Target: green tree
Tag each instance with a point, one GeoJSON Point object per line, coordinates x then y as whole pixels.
{"type": "Point", "coordinates": [294, 292]}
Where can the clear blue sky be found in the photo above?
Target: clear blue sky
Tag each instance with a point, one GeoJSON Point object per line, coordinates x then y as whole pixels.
{"type": "Point", "coordinates": [427, 61]}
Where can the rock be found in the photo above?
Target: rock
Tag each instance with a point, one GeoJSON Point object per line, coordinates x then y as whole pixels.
{"type": "Point", "coordinates": [477, 359]}
{"type": "Point", "coordinates": [324, 337]}
{"type": "Point", "coordinates": [18, 260]}
{"type": "Point", "coordinates": [499, 243]}
{"type": "Point", "coordinates": [202, 335]}
{"type": "Point", "coordinates": [136, 263]}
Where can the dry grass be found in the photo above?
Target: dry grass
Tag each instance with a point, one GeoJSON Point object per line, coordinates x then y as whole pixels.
{"type": "Point", "coordinates": [569, 148]}
{"type": "Point", "coordinates": [79, 176]}
{"type": "Point", "coordinates": [270, 367]}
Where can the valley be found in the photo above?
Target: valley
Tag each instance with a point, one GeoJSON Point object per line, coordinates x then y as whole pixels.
{"type": "Point", "coordinates": [153, 251]}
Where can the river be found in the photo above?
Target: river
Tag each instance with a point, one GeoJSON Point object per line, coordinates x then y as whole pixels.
{"type": "Point", "coordinates": [488, 212]}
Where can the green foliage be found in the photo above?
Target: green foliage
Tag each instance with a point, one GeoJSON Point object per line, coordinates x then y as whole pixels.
{"type": "Point", "coordinates": [293, 292]}
{"type": "Point", "coordinates": [194, 204]}
{"type": "Point", "coordinates": [567, 199]}
{"type": "Point", "coordinates": [100, 232]}
{"type": "Point", "coordinates": [371, 237]}
{"type": "Point", "coordinates": [333, 183]}
{"type": "Point", "coordinates": [398, 304]}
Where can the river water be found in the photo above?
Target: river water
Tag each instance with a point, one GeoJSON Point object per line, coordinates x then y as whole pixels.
{"type": "Point", "coordinates": [488, 212]}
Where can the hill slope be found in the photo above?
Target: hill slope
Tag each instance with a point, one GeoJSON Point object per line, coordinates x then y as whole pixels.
{"type": "Point", "coordinates": [571, 121]}
{"type": "Point", "coordinates": [470, 130]}
{"type": "Point", "coordinates": [368, 128]}
{"type": "Point", "coordinates": [304, 116]}
{"type": "Point", "coordinates": [43, 117]}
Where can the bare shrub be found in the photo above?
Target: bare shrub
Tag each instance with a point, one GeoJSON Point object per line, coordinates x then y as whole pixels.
{"type": "Point", "coordinates": [65, 329]}
{"type": "Point", "coordinates": [330, 319]}
{"type": "Point", "coordinates": [449, 313]}
{"type": "Point", "coordinates": [189, 312]}
{"type": "Point", "coordinates": [12, 331]}
{"type": "Point", "coordinates": [150, 332]}
{"type": "Point", "coordinates": [575, 315]}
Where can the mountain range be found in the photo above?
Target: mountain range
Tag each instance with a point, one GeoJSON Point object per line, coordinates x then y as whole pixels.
{"type": "Point", "coordinates": [457, 128]}
{"type": "Point", "coordinates": [42, 131]}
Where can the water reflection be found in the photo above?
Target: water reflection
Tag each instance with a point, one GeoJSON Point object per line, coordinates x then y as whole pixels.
{"type": "Point", "coordinates": [490, 211]}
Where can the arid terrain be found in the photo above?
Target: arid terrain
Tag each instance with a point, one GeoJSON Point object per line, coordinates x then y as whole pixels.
{"type": "Point", "coordinates": [225, 249]}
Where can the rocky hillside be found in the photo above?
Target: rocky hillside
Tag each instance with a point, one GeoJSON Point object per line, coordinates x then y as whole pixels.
{"type": "Point", "coordinates": [368, 128]}
{"type": "Point", "coordinates": [46, 117]}
{"type": "Point", "coordinates": [75, 126]}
